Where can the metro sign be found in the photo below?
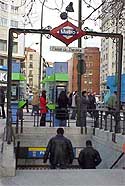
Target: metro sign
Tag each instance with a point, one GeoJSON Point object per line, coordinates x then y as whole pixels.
{"type": "Point", "coordinates": [67, 32]}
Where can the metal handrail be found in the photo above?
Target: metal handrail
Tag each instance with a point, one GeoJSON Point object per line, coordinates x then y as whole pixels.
{"type": "Point", "coordinates": [100, 118]}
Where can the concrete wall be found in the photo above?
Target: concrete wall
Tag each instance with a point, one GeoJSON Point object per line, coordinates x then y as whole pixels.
{"type": "Point", "coordinates": [108, 149]}
{"type": "Point", "coordinates": [102, 141]}
{"type": "Point", "coordinates": [8, 161]}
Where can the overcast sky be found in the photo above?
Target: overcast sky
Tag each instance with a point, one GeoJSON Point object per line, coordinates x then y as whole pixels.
{"type": "Point", "coordinates": [53, 19]}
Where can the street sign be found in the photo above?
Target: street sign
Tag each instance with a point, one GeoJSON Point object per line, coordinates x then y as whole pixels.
{"type": "Point", "coordinates": [66, 49]}
{"type": "Point", "coordinates": [67, 32]}
{"type": "Point", "coordinates": [36, 152]}
{"type": "Point", "coordinates": [81, 67]}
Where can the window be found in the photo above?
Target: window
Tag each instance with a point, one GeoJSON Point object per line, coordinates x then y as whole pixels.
{"type": "Point", "coordinates": [30, 73]}
{"type": "Point", "coordinates": [3, 6]}
{"type": "Point", "coordinates": [30, 81]}
{"type": "Point", "coordinates": [106, 56]}
{"type": "Point", "coordinates": [3, 45]}
{"type": "Point", "coordinates": [31, 56]}
{"type": "Point", "coordinates": [15, 47]}
{"type": "Point", "coordinates": [1, 62]}
{"type": "Point", "coordinates": [14, 9]}
{"type": "Point", "coordinates": [90, 72]}
{"type": "Point", "coordinates": [14, 23]}
{"type": "Point", "coordinates": [91, 64]}
{"type": "Point", "coordinates": [90, 82]}
{"type": "Point", "coordinates": [22, 65]}
{"type": "Point", "coordinates": [30, 65]}
{"type": "Point", "coordinates": [90, 57]}
{"type": "Point", "coordinates": [113, 64]}
{"type": "Point", "coordinates": [3, 21]}
{"type": "Point", "coordinates": [124, 70]}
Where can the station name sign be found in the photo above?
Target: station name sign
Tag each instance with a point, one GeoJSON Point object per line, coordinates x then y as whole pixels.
{"type": "Point", "coordinates": [66, 49]}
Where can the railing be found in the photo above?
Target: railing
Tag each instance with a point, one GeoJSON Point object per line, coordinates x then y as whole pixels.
{"type": "Point", "coordinates": [117, 160]}
{"type": "Point", "coordinates": [98, 118]}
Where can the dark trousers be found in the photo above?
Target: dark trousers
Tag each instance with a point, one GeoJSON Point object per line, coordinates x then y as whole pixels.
{"type": "Point", "coordinates": [73, 116]}
{"type": "Point", "coordinates": [43, 120]}
{"type": "Point", "coordinates": [3, 111]}
{"type": "Point", "coordinates": [83, 118]}
{"type": "Point", "coordinates": [35, 110]}
{"type": "Point", "coordinates": [27, 104]}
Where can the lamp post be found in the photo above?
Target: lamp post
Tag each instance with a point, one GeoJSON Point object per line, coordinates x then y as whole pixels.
{"type": "Point", "coordinates": [40, 59]}
{"type": "Point", "coordinates": [79, 63]}
{"type": "Point", "coordinates": [69, 8]}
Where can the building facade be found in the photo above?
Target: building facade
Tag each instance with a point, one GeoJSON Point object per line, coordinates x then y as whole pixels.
{"type": "Point", "coordinates": [30, 68]}
{"type": "Point", "coordinates": [10, 16]}
{"type": "Point", "coordinates": [90, 80]}
{"type": "Point", "coordinates": [113, 22]}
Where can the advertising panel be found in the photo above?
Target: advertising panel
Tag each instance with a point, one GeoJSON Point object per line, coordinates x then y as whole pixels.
{"type": "Point", "coordinates": [15, 67]}
{"type": "Point", "coordinates": [60, 67]}
{"type": "Point", "coordinates": [36, 152]}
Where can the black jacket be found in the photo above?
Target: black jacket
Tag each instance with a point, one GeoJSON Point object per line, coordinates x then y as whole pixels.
{"type": "Point", "coordinates": [2, 98]}
{"type": "Point", "coordinates": [89, 158]}
{"type": "Point", "coordinates": [60, 150]}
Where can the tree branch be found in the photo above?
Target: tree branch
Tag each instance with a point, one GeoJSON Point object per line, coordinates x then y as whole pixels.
{"type": "Point", "coordinates": [93, 12]}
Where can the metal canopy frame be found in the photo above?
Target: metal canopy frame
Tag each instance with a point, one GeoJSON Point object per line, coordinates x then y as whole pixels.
{"type": "Point", "coordinates": [46, 31]}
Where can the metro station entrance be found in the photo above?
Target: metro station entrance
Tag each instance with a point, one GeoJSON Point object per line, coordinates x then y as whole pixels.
{"type": "Point", "coordinates": [59, 34]}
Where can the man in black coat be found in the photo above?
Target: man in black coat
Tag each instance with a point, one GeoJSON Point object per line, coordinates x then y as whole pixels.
{"type": "Point", "coordinates": [60, 150]}
{"type": "Point", "coordinates": [89, 158]}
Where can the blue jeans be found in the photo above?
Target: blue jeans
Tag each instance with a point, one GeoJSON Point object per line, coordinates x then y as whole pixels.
{"type": "Point", "coordinates": [35, 109]}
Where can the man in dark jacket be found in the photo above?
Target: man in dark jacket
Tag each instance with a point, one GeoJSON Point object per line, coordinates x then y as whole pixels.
{"type": "Point", "coordinates": [60, 150]}
{"type": "Point", "coordinates": [2, 101]}
{"type": "Point", "coordinates": [89, 158]}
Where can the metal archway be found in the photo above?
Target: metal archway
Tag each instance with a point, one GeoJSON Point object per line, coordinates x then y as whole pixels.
{"type": "Point", "coordinates": [45, 31]}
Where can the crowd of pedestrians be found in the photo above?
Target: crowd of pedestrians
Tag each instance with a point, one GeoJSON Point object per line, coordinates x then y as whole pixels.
{"type": "Point", "coordinates": [66, 107]}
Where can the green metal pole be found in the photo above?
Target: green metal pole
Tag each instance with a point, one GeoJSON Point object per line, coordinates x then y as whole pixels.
{"type": "Point", "coordinates": [41, 44]}
{"type": "Point", "coordinates": [120, 49]}
{"type": "Point", "coordinates": [117, 127]}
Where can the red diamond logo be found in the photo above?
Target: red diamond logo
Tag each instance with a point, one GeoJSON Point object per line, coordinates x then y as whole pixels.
{"type": "Point", "coordinates": [67, 32]}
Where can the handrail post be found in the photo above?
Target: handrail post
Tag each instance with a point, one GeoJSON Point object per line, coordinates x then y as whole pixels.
{"type": "Point", "coordinates": [17, 122]}
{"type": "Point", "coordinates": [9, 128]}
{"type": "Point", "coordinates": [101, 119]}
{"type": "Point", "coordinates": [123, 123]}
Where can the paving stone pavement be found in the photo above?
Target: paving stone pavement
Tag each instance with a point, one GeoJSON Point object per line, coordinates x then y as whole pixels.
{"type": "Point", "coordinates": [2, 126]}
{"type": "Point", "coordinates": [98, 177]}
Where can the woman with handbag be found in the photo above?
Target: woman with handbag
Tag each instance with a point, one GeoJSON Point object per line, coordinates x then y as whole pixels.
{"type": "Point", "coordinates": [43, 108]}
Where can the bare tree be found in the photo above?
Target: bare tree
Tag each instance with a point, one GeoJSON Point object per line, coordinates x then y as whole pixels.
{"type": "Point", "coordinates": [112, 8]}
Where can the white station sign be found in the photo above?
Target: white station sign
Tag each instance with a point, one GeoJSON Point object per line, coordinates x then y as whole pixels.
{"type": "Point", "coordinates": [66, 49]}
{"type": "Point", "coordinates": [3, 76]}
